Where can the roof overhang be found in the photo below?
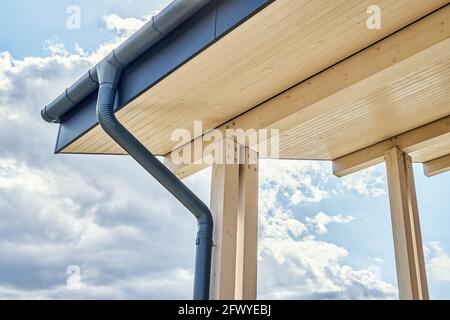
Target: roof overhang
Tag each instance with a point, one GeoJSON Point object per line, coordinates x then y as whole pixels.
{"type": "Point", "coordinates": [309, 68]}
{"type": "Point", "coordinates": [187, 41]}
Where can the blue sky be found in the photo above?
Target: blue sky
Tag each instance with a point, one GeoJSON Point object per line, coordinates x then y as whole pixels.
{"type": "Point", "coordinates": [320, 237]}
{"type": "Point", "coordinates": [46, 20]}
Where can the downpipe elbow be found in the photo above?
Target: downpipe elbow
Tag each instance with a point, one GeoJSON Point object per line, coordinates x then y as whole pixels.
{"type": "Point", "coordinates": [105, 106]}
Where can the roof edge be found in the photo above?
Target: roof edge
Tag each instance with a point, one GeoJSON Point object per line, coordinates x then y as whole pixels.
{"type": "Point", "coordinates": [151, 33]}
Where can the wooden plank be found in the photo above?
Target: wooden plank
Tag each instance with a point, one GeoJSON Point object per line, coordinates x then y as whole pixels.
{"type": "Point", "coordinates": [224, 207]}
{"type": "Point", "coordinates": [416, 234]}
{"type": "Point", "coordinates": [411, 276]}
{"type": "Point", "coordinates": [321, 102]}
{"type": "Point", "coordinates": [437, 166]}
{"type": "Point", "coordinates": [247, 235]}
{"type": "Point", "coordinates": [410, 142]}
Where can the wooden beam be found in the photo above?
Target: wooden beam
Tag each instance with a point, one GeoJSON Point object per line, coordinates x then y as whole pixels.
{"type": "Point", "coordinates": [437, 166]}
{"type": "Point", "coordinates": [411, 275]}
{"type": "Point", "coordinates": [184, 171]}
{"type": "Point", "coordinates": [392, 57]}
{"type": "Point", "coordinates": [247, 235]}
{"type": "Point", "coordinates": [228, 145]}
{"type": "Point", "coordinates": [409, 142]}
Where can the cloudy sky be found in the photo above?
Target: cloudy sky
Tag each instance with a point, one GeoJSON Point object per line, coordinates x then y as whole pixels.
{"type": "Point", "coordinates": [320, 237]}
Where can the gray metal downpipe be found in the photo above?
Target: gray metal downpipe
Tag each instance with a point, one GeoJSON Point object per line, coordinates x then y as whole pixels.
{"type": "Point", "coordinates": [105, 76]}
{"type": "Point", "coordinates": [108, 74]}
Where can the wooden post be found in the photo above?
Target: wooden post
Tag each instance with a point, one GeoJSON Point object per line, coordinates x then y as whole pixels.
{"type": "Point", "coordinates": [234, 205]}
{"type": "Point", "coordinates": [411, 274]}
{"type": "Point", "coordinates": [247, 235]}
{"type": "Point", "coordinates": [224, 205]}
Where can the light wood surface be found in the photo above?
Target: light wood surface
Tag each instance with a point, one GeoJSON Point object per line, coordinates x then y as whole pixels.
{"type": "Point", "coordinates": [234, 205]}
{"type": "Point", "coordinates": [392, 87]}
{"type": "Point", "coordinates": [437, 166]}
{"type": "Point", "coordinates": [418, 142]}
{"type": "Point", "coordinates": [411, 275]}
{"type": "Point", "coordinates": [284, 44]}
{"type": "Point", "coordinates": [247, 235]}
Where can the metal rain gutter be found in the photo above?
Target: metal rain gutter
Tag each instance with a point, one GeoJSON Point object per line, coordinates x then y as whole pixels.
{"type": "Point", "coordinates": [106, 76]}
{"type": "Point", "coordinates": [151, 33]}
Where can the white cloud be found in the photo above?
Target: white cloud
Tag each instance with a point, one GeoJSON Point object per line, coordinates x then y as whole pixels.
{"type": "Point", "coordinates": [321, 220]}
{"type": "Point", "coordinates": [127, 26]}
{"type": "Point", "coordinates": [299, 181]}
{"type": "Point", "coordinates": [369, 182]}
{"type": "Point", "coordinates": [55, 48]}
{"type": "Point", "coordinates": [308, 268]}
{"type": "Point", "coordinates": [293, 263]}
{"type": "Point", "coordinates": [122, 25]}
{"type": "Point", "coordinates": [378, 260]}
{"type": "Point", "coordinates": [438, 262]}
{"type": "Point", "coordinates": [174, 284]}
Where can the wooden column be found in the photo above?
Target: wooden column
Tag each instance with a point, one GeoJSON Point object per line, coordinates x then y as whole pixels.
{"type": "Point", "coordinates": [224, 207]}
{"type": "Point", "coordinates": [234, 205]}
{"type": "Point", "coordinates": [247, 235]}
{"type": "Point", "coordinates": [411, 274]}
